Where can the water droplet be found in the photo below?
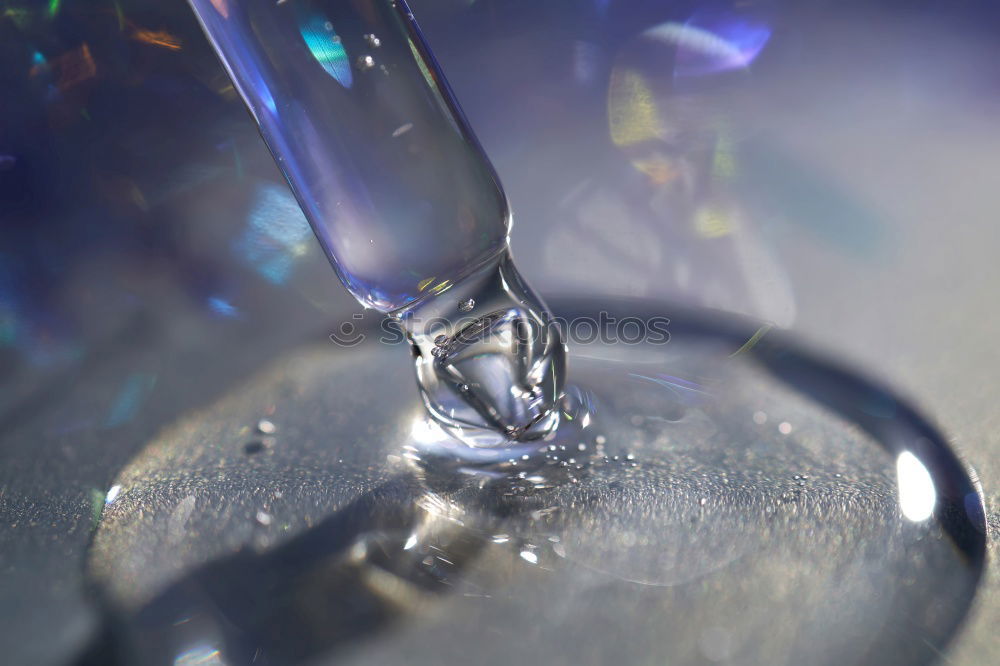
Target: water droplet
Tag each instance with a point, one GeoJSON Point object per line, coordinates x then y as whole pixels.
{"type": "Point", "coordinates": [365, 62]}
{"type": "Point", "coordinates": [785, 427]}
{"type": "Point", "coordinates": [467, 305]}
{"type": "Point", "coordinates": [266, 427]}
{"type": "Point", "coordinates": [373, 41]}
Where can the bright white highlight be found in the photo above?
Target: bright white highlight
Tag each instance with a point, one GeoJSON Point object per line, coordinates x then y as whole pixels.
{"type": "Point", "coordinates": [112, 494]}
{"type": "Point", "coordinates": [917, 496]}
{"type": "Point", "coordinates": [425, 431]}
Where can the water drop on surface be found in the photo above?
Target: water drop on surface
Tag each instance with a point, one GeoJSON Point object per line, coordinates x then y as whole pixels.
{"type": "Point", "coordinates": [266, 427]}
{"type": "Point", "coordinates": [736, 558]}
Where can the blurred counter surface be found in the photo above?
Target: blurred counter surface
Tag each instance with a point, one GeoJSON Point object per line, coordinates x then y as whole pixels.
{"type": "Point", "coordinates": [829, 167]}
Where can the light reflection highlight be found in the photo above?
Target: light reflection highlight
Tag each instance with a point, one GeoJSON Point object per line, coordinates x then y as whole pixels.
{"type": "Point", "coordinates": [160, 38]}
{"type": "Point", "coordinates": [325, 46]}
{"type": "Point", "coordinates": [632, 113]}
{"type": "Point", "coordinates": [710, 44]}
{"type": "Point", "coordinates": [917, 495]}
{"type": "Point", "coordinates": [686, 392]}
{"type": "Point", "coordinates": [200, 655]}
{"type": "Point", "coordinates": [222, 307]}
{"type": "Point", "coordinates": [426, 431]}
{"type": "Point", "coordinates": [277, 234]}
{"type": "Point", "coordinates": [112, 495]}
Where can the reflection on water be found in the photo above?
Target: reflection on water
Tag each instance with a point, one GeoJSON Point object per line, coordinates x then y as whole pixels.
{"type": "Point", "coordinates": [761, 508]}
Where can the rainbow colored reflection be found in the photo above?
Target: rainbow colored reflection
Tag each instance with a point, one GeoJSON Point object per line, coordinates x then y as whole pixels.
{"type": "Point", "coordinates": [712, 43]}
{"type": "Point", "coordinates": [325, 46]}
{"type": "Point", "coordinates": [277, 235]}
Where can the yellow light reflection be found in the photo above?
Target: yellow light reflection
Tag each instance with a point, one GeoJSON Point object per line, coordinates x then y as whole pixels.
{"type": "Point", "coordinates": [632, 111]}
{"type": "Point", "coordinates": [160, 38]}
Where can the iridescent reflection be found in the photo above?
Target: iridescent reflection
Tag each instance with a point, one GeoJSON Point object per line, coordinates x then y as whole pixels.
{"type": "Point", "coordinates": [200, 655]}
{"type": "Point", "coordinates": [325, 45]}
{"type": "Point", "coordinates": [277, 235]}
{"type": "Point", "coordinates": [675, 112]}
{"type": "Point", "coordinates": [712, 43]}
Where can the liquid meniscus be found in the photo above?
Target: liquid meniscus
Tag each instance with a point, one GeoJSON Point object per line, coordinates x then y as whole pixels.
{"type": "Point", "coordinates": [489, 359]}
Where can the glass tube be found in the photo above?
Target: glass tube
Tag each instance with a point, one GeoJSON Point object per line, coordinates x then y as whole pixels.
{"type": "Point", "coordinates": [368, 134]}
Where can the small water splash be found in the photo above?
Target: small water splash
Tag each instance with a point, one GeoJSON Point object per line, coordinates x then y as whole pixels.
{"type": "Point", "coordinates": [489, 359]}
